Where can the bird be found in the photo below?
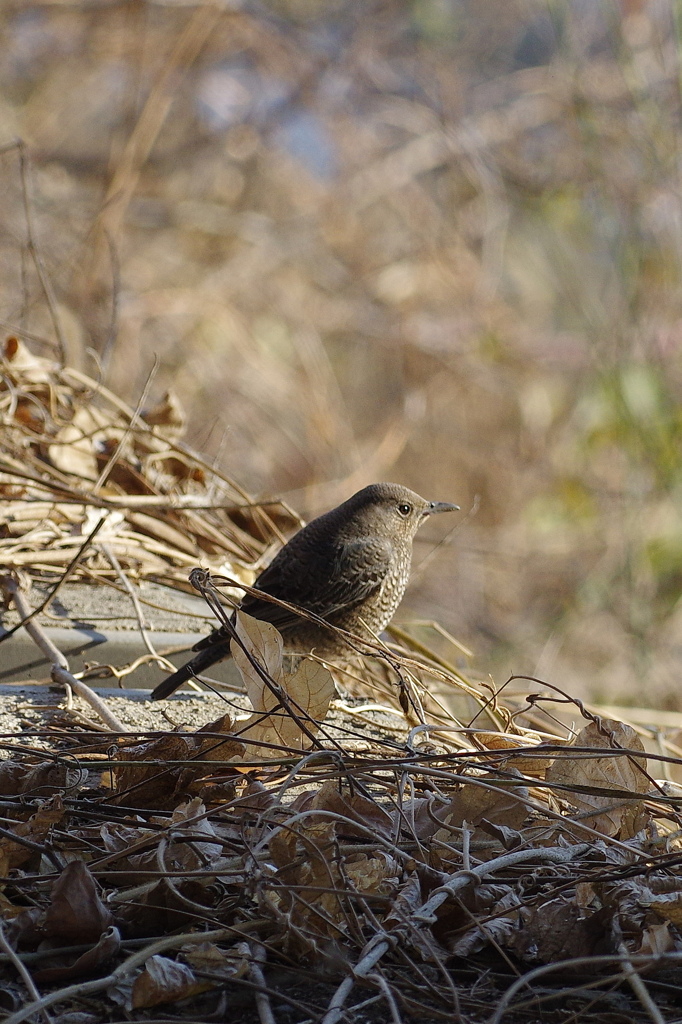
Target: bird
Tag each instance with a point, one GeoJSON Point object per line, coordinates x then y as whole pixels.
{"type": "Point", "coordinates": [350, 566]}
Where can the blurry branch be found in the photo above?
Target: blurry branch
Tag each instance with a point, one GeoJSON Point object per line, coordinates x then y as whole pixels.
{"type": "Point", "coordinates": [46, 284]}
{"type": "Point", "coordinates": [112, 333]}
{"type": "Point", "coordinates": [146, 131]}
{"type": "Point", "coordinates": [638, 986]}
{"type": "Point", "coordinates": [436, 148]}
{"type": "Point", "coordinates": [562, 967]}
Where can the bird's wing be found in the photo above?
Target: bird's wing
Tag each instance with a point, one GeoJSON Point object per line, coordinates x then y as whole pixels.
{"type": "Point", "coordinates": [346, 577]}
{"type": "Point", "coordinates": [327, 584]}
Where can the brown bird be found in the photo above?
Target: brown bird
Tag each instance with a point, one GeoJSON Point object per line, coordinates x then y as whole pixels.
{"type": "Point", "coordinates": [350, 566]}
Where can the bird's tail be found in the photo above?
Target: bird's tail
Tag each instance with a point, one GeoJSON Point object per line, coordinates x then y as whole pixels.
{"type": "Point", "coordinates": [204, 659]}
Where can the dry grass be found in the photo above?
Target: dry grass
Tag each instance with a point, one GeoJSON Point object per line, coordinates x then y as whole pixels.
{"type": "Point", "coordinates": [413, 245]}
{"type": "Point", "coordinates": [434, 244]}
{"type": "Point", "coordinates": [449, 850]}
{"type": "Point", "coordinates": [76, 460]}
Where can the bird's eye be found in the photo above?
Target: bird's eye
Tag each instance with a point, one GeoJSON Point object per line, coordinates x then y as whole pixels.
{"type": "Point", "coordinates": [404, 509]}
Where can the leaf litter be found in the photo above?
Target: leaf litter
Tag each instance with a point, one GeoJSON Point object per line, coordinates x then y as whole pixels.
{"type": "Point", "coordinates": [468, 854]}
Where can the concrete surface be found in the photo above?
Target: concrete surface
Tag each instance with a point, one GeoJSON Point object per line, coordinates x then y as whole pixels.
{"type": "Point", "coordinates": [94, 624]}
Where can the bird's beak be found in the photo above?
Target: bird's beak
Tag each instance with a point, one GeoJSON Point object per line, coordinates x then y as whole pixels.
{"type": "Point", "coordinates": [434, 507]}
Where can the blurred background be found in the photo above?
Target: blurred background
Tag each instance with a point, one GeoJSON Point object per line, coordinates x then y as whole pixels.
{"type": "Point", "coordinates": [433, 241]}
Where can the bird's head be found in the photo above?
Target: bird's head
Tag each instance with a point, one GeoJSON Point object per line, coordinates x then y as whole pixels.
{"type": "Point", "coordinates": [393, 510]}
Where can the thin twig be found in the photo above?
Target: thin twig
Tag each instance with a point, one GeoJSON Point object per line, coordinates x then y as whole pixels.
{"type": "Point", "coordinates": [64, 678]}
{"type": "Point", "coordinates": [638, 986]}
{"type": "Point", "coordinates": [380, 943]}
{"type": "Point", "coordinates": [265, 1014]}
{"type": "Point", "coordinates": [60, 666]}
{"type": "Point", "coordinates": [115, 455]}
{"type": "Point", "coordinates": [70, 569]}
{"type": "Point", "coordinates": [379, 980]}
{"type": "Point", "coordinates": [23, 972]}
{"type": "Point", "coordinates": [137, 959]}
{"type": "Point", "coordinates": [143, 625]}
{"type": "Point", "coordinates": [45, 282]}
{"type": "Point", "coordinates": [561, 966]}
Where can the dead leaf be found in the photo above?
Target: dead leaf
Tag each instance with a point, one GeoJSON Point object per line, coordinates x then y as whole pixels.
{"type": "Point", "coordinates": [667, 906]}
{"type": "Point", "coordinates": [312, 687]}
{"type": "Point", "coordinates": [41, 779]}
{"type": "Point", "coordinates": [137, 783]}
{"type": "Point", "coordinates": [370, 874]}
{"type": "Point", "coordinates": [168, 416]}
{"type": "Point", "coordinates": [263, 644]}
{"type": "Point", "coordinates": [656, 940]}
{"type": "Point", "coordinates": [499, 804]}
{"type": "Point", "coordinates": [212, 747]}
{"type": "Point", "coordinates": [192, 855]}
{"type": "Point", "coordinates": [255, 799]}
{"type": "Point", "coordinates": [76, 445]}
{"type": "Point", "coordinates": [22, 364]}
{"type": "Point", "coordinates": [557, 930]}
{"type": "Point", "coordinates": [90, 962]}
{"type": "Point", "coordinates": [207, 958]}
{"type": "Point", "coordinates": [535, 766]}
{"type": "Point", "coordinates": [355, 806]}
{"type": "Point", "coordinates": [498, 930]}
{"type": "Point", "coordinates": [620, 773]}
{"type": "Point", "coordinates": [36, 828]}
{"type": "Point", "coordinates": [76, 913]}
{"type": "Point", "coordinates": [165, 981]}
{"type": "Point", "coordinates": [286, 709]}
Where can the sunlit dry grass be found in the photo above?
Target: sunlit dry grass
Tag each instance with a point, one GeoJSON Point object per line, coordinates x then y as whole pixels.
{"type": "Point", "coordinates": [429, 244]}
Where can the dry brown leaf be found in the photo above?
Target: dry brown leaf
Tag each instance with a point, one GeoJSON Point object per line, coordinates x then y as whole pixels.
{"type": "Point", "coordinates": [535, 766]}
{"type": "Point", "coordinates": [307, 692]}
{"type": "Point", "coordinates": [36, 829]}
{"type": "Point", "coordinates": [305, 858]}
{"type": "Point", "coordinates": [188, 818]}
{"type": "Point", "coordinates": [140, 784]}
{"type": "Point", "coordinates": [498, 930]}
{"type": "Point", "coordinates": [474, 803]}
{"type": "Point", "coordinates": [75, 446]}
{"type": "Point", "coordinates": [168, 416]}
{"type": "Point", "coordinates": [557, 930]}
{"type": "Point", "coordinates": [206, 957]}
{"type": "Point", "coordinates": [165, 981]}
{"type": "Point", "coordinates": [355, 806]}
{"type": "Point", "coordinates": [617, 772]}
{"type": "Point", "coordinates": [262, 644]}
{"type": "Point", "coordinates": [90, 962]}
{"type": "Point", "coordinates": [255, 799]}
{"type": "Point", "coordinates": [312, 687]}
{"type": "Point", "coordinates": [37, 779]}
{"type": "Point", "coordinates": [371, 874]}
{"type": "Point", "coordinates": [76, 913]}
{"type": "Point", "coordinates": [406, 900]}
{"type": "Point", "coordinates": [667, 906]}
{"type": "Point", "coordinates": [117, 837]}
{"type": "Point", "coordinates": [656, 940]}
{"type": "Point", "coordinates": [211, 747]}
{"type": "Point", "coordinates": [304, 840]}
{"type": "Point", "coordinates": [21, 364]}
